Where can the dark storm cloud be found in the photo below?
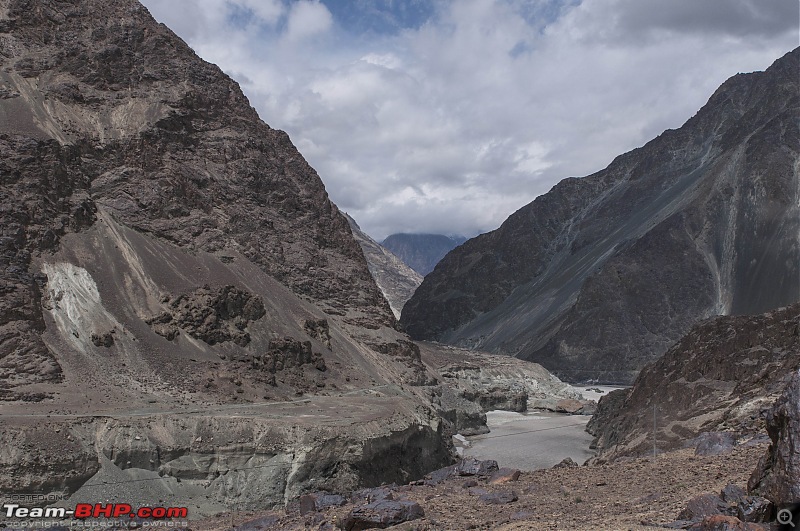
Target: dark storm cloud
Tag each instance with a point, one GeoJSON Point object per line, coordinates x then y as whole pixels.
{"type": "Point", "coordinates": [741, 18]}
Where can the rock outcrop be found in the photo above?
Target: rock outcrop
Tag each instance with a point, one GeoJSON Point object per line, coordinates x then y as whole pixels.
{"type": "Point", "coordinates": [601, 275]}
{"type": "Point", "coordinates": [396, 280]}
{"type": "Point", "coordinates": [719, 377]}
{"type": "Point", "coordinates": [777, 476]}
{"type": "Point", "coordinates": [421, 252]}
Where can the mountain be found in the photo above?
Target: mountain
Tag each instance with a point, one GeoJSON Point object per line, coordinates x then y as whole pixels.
{"type": "Point", "coordinates": [421, 252]}
{"type": "Point", "coordinates": [719, 377]}
{"type": "Point", "coordinates": [185, 315]}
{"type": "Point", "coordinates": [395, 279]}
{"type": "Point", "coordinates": [175, 279]}
{"type": "Point", "coordinates": [602, 274]}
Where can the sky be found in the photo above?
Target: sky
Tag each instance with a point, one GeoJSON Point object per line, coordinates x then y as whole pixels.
{"type": "Point", "coordinates": [445, 116]}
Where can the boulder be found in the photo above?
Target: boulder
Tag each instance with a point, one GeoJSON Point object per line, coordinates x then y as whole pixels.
{"type": "Point", "coordinates": [382, 514]}
{"type": "Point", "coordinates": [319, 501]}
{"type": "Point", "coordinates": [715, 443]}
{"type": "Point", "coordinates": [504, 475]}
{"type": "Point", "coordinates": [567, 462]}
{"type": "Point", "coordinates": [777, 476]}
{"type": "Point", "coordinates": [732, 493]}
{"type": "Point", "coordinates": [754, 509]}
{"type": "Point", "coordinates": [704, 505]}
{"type": "Point", "coordinates": [569, 405]}
{"type": "Point", "coordinates": [473, 467]}
{"type": "Point", "coordinates": [499, 498]}
{"type": "Point", "coordinates": [372, 495]}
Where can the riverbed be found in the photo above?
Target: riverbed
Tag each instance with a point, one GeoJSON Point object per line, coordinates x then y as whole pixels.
{"type": "Point", "coordinates": [535, 439]}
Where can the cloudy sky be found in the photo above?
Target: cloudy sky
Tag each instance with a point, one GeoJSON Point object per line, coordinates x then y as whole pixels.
{"type": "Point", "coordinates": [445, 116]}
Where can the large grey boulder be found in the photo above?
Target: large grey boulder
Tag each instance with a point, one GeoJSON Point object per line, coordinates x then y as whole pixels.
{"type": "Point", "coordinates": [777, 476]}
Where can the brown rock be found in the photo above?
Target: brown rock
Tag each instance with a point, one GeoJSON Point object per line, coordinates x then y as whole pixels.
{"type": "Point", "coordinates": [382, 514]}
{"type": "Point", "coordinates": [702, 506]}
{"type": "Point", "coordinates": [567, 462]}
{"type": "Point", "coordinates": [504, 475]}
{"type": "Point", "coordinates": [569, 405]}
{"type": "Point", "coordinates": [777, 476]}
{"type": "Point", "coordinates": [726, 523]}
{"type": "Point", "coordinates": [499, 498]}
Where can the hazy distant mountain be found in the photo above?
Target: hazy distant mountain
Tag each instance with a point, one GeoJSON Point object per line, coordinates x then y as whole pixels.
{"type": "Point", "coordinates": [422, 252]}
{"type": "Point", "coordinates": [395, 279]}
{"type": "Point", "coordinates": [602, 274]}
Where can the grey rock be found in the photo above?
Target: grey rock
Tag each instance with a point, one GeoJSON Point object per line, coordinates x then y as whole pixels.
{"type": "Point", "coordinates": [754, 509]}
{"type": "Point", "coordinates": [715, 443]}
{"type": "Point", "coordinates": [777, 476]}
{"type": "Point", "coordinates": [499, 498]}
{"type": "Point", "coordinates": [474, 467]}
{"type": "Point", "coordinates": [319, 501]}
{"type": "Point", "coordinates": [732, 493]}
{"type": "Point", "coordinates": [382, 514]}
{"type": "Point", "coordinates": [567, 462]}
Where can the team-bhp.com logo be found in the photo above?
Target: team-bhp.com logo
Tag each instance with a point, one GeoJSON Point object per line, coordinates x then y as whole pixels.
{"type": "Point", "coordinates": [97, 510]}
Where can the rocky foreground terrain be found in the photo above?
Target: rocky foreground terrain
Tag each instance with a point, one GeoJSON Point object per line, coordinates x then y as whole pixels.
{"type": "Point", "coordinates": [602, 274]}
{"type": "Point", "coordinates": [703, 486]}
{"type": "Point", "coordinates": [720, 377]}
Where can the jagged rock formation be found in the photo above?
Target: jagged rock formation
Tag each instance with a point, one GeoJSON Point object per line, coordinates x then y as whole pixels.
{"type": "Point", "coordinates": [212, 315]}
{"type": "Point", "coordinates": [719, 377]}
{"type": "Point", "coordinates": [777, 476]}
{"type": "Point", "coordinates": [602, 274]}
{"type": "Point", "coordinates": [119, 115]}
{"type": "Point", "coordinates": [395, 279]}
{"type": "Point", "coordinates": [421, 252]}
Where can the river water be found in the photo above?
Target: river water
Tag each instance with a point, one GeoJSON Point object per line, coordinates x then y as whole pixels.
{"type": "Point", "coordinates": [534, 440]}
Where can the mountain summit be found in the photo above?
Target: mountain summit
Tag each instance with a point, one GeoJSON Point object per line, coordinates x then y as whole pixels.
{"type": "Point", "coordinates": [602, 274]}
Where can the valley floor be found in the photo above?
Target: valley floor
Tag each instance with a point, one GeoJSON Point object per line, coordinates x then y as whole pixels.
{"type": "Point", "coordinates": [630, 494]}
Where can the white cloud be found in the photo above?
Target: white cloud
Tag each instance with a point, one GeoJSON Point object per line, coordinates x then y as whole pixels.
{"type": "Point", "coordinates": [451, 125]}
{"type": "Point", "coordinates": [307, 18]}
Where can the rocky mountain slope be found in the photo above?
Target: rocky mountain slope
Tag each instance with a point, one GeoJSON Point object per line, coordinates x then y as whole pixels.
{"type": "Point", "coordinates": [421, 252]}
{"type": "Point", "coordinates": [718, 378]}
{"type": "Point", "coordinates": [394, 278]}
{"type": "Point", "coordinates": [602, 274]}
{"type": "Point", "coordinates": [185, 315]}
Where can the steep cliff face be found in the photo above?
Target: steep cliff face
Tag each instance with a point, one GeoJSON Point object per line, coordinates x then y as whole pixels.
{"type": "Point", "coordinates": [602, 274]}
{"type": "Point", "coordinates": [394, 278]}
{"type": "Point", "coordinates": [719, 377]}
{"type": "Point", "coordinates": [104, 110]}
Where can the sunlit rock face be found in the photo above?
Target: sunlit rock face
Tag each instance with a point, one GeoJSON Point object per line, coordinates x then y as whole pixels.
{"type": "Point", "coordinates": [602, 274]}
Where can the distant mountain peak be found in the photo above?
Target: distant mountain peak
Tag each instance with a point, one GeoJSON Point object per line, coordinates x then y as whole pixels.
{"type": "Point", "coordinates": [421, 252]}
